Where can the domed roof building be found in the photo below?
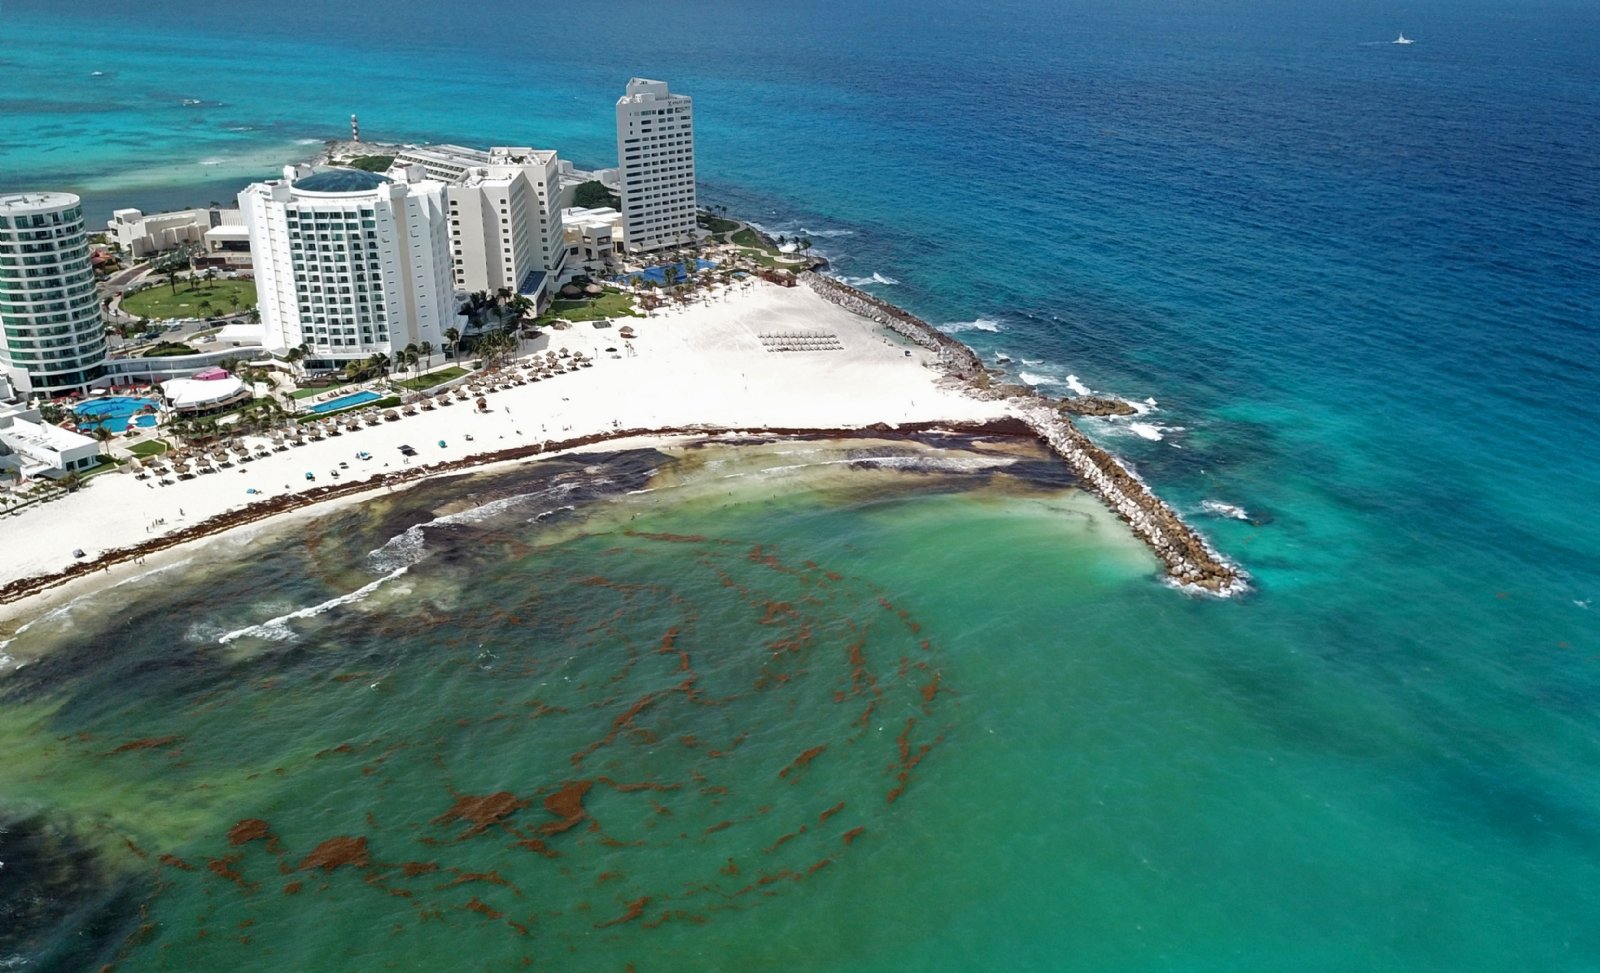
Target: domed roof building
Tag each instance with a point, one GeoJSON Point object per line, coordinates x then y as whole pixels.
{"type": "Point", "coordinates": [350, 263]}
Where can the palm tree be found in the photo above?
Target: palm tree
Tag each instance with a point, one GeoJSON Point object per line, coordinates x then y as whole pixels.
{"type": "Point", "coordinates": [295, 356]}
{"type": "Point", "coordinates": [379, 363]}
{"type": "Point", "coordinates": [170, 272]}
{"type": "Point", "coordinates": [409, 356]}
{"type": "Point", "coordinates": [104, 435]}
{"type": "Point", "coordinates": [671, 274]}
{"type": "Point", "coordinates": [520, 306]}
{"type": "Point", "coordinates": [205, 307]}
{"type": "Point", "coordinates": [426, 349]}
{"type": "Point", "coordinates": [211, 274]}
{"type": "Point", "coordinates": [453, 335]}
{"type": "Point", "coordinates": [255, 315]}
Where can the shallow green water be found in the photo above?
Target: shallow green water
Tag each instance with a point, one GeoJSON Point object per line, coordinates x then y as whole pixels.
{"type": "Point", "coordinates": [813, 706]}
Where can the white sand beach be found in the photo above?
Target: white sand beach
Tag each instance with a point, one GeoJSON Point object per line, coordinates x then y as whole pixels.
{"type": "Point", "coordinates": [702, 365]}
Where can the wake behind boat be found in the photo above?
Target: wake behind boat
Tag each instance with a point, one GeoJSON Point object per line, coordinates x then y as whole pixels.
{"type": "Point", "coordinates": [1403, 39]}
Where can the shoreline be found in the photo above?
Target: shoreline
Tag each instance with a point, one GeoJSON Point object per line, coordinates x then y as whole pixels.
{"type": "Point", "coordinates": [1189, 561]}
{"type": "Point", "coordinates": [23, 589]}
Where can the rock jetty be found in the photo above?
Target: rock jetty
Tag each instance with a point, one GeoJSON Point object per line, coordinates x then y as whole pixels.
{"type": "Point", "coordinates": [957, 358]}
{"type": "Point", "coordinates": [1096, 405]}
{"type": "Point", "coordinates": [1190, 561]}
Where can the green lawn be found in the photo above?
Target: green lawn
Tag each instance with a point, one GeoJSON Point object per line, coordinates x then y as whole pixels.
{"type": "Point", "coordinates": [717, 224]}
{"type": "Point", "coordinates": [307, 393]}
{"type": "Point", "coordinates": [103, 464]}
{"type": "Point", "coordinates": [150, 447]}
{"type": "Point", "coordinates": [611, 304]}
{"type": "Point", "coordinates": [370, 163]}
{"type": "Point", "coordinates": [431, 379]}
{"type": "Point", "coordinates": [767, 259]}
{"type": "Point", "coordinates": [161, 301]}
{"type": "Point", "coordinates": [748, 238]}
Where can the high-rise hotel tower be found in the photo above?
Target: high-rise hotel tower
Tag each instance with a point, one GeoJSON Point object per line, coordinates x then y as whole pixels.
{"type": "Point", "coordinates": [52, 335]}
{"type": "Point", "coordinates": [655, 163]}
{"type": "Point", "coordinates": [350, 263]}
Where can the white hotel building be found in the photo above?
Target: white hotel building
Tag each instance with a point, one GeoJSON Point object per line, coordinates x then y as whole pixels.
{"type": "Point", "coordinates": [655, 161]}
{"type": "Point", "coordinates": [52, 336]}
{"type": "Point", "coordinates": [505, 215]}
{"type": "Point", "coordinates": [350, 263]}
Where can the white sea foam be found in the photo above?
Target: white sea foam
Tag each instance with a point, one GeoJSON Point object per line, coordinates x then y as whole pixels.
{"type": "Point", "coordinates": [307, 141]}
{"type": "Point", "coordinates": [403, 549]}
{"type": "Point", "coordinates": [981, 324]}
{"type": "Point", "coordinates": [278, 630]}
{"type": "Point", "coordinates": [876, 278]}
{"type": "Point", "coordinates": [1145, 430]}
{"type": "Point", "coordinates": [1034, 378]}
{"type": "Point", "coordinates": [213, 160]}
{"type": "Point", "coordinates": [1583, 603]}
{"type": "Point", "coordinates": [1217, 508]}
{"type": "Point", "coordinates": [826, 234]}
{"type": "Point", "coordinates": [1033, 361]}
{"type": "Point", "coordinates": [1075, 385]}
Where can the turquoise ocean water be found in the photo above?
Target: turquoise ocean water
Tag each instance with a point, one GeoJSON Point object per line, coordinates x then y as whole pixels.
{"type": "Point", "coordinates": [1359, 282]}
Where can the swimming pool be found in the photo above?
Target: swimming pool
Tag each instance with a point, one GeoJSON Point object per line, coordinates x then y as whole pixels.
{"type": "Point", "coordinates": [658, 275]}
{"type": "Point", "coordinates": [346, 401]}
{"type": "Point", "coordinates": [114, 412]}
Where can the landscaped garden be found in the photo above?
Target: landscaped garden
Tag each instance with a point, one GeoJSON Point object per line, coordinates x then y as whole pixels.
{"type": "Point", "coordinates": [186, 298]}
{"type": "Point", "coordinates": [431, 379]}
{"type": "Point", "coordinates": [610, 303]}
{"type": "Point", "coordinates": [150, 447]}
{"type": "Point", "coordinates": [168, 349]}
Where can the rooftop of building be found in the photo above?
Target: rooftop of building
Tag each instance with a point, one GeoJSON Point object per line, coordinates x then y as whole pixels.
{"type": "Point", "coordinates": [459, 155]}
{"type": "Point", "coordinates": [36, 202]}
{"type": "Point", "coordinates": [341, 181]}
{"type": "Point", "coordinates": [23, 433]}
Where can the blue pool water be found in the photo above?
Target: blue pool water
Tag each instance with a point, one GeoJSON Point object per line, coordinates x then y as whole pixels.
{"type": "Point", "coordinates": [658, 275]}
{"type": "Point", "coordinates": [114, 413]}
{"type": "Point", "coordinates": [346, 401]}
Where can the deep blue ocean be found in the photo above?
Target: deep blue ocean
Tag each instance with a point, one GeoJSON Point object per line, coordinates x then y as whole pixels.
{"type": "Point", "coordinates": [1358, 281]}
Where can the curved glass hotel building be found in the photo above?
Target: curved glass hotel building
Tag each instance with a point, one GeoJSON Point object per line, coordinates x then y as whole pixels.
{"type": "Point", "coordinates": [350, 263]}
{"type": "Point", "coordinates": [52, 335]}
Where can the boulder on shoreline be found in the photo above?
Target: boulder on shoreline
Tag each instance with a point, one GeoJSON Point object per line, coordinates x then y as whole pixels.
{"type": "Point", "coordinates": [1096, 405]}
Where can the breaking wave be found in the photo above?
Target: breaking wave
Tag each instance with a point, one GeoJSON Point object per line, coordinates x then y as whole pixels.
{"type": "Point", "coordinates": [278, 630]}
{"type": "Point", "coordinates": [981, 324]}
{"type": "Point", "coordinates": [1217, 508]}
{"type": "Point", "coordinates": [876, 278]}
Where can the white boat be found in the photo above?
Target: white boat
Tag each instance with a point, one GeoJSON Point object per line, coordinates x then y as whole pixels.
{"type": "Point", "coordinates": [1403, 39]}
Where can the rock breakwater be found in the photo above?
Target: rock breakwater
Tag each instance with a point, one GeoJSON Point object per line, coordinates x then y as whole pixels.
{"type": "Point", "coordinates": [1096, 405]}
{"type": "Point", "coordinates": [1190, 561]}
{"type": "Point", "coordinates": [957, 358]}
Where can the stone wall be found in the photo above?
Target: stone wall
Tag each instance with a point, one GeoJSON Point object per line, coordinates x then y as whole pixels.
{"type": "Point", "coordinates": [956, 357]}
{"type": "Point", "coordinates": [1189, 560]}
